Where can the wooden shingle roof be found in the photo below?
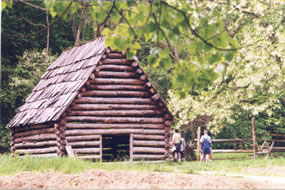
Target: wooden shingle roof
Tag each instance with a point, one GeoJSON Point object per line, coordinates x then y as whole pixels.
{"type": "Point", "coordinates": [60, 84]}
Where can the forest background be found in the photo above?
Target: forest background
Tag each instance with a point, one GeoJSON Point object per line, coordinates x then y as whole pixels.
{"type": "Point", "coordinates": [218, 64]}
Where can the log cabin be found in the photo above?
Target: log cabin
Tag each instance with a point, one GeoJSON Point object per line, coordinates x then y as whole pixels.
{"type": "Point", "coordinates": [98, 103]}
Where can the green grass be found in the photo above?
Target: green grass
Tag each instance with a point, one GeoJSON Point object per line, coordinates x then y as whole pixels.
{"type": "Point", "coordinates": [231, 155]}
{"type": "Point", "coordinates": [10, 166]}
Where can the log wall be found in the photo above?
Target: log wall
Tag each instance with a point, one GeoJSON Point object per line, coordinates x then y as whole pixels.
{"type": "Point", "coordinates": [34, 140]}
{"type": "Point", "coordinates": [118, 99]}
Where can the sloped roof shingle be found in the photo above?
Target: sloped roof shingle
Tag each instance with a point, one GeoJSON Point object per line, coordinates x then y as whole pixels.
{"type": "Point", "coordinates": [60, 84]}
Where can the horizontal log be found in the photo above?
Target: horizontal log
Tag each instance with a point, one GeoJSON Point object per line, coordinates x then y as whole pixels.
{"type": "Point", "coordinates": [115, 56]}
{"type": "Point", "coordinates": [167, 123]}
{"type": "Point", "coordinates": [83, 89]}
{"type": "Point", "coordinates": [112, 131]}
{"type": "Point", "coordinates": [275, 140]}
{"type": "Point", "coordinates": [117, 113]}
{"type": "Point", "coordinates": [115, 119]}
{"type": "Point", "coordinates": [167, 116]}
{"type": "Point", "coordinates": [30, 127]}
{"type": "Point", "coordinates": [116, 81]}
{"type": "Point", "coordinates": [37, 151]}
{"type": "Point", "coordinates": [139, 71]}
{"type": "Point", "coordinates": [143, 77]}
{"type": "Point", "coordinates": [115, 68]}
{"type": "Point", "coordinates": [151, 137]}
{"type": "Point", "coordinates": [84, 143]}
{"type": "Point", "coordinates": [92, 76]}
{"type": "Point", "coordinates": [278, 148]}
{"type": "Point", "coordinates": [111, 74]}
{"type": "Point", "coordinates": [149, 149]}
{"type": "Point", "coordinates": [39, 137]}
{"type": "Point", "coordinates": [148, 84]}
{"type": "Point", "coordinates": [116, 87]}
{"type": "Point", "coordinates": [35, 144]}
{"type": "Point", "coordinates": [112, 106]}
{"type": "Point", "coordinates": [93, 157]}
{"type": "Point", "coordinates": [108, 50]}
{"type": "Point", "coordinates": [115, 61]}
{"type": "Point", "coordinates": [271, 134]}
{"type": "Point", "coordinates": [152, 90]}
{"type": "Point", "coordinates": [155, 97]}
{"type": "Point", "coordinates": [148, 156]}
{"type": "Point", "coordinates": [148, 143]}
{"type": "Point", "coordinates": [43, 155]}
{"type": "Point", "coordinates": [228, 140]}
{"type": "Point", "coordinates": [86, 150]}
{"type": "Point", "coordinates": [34, 132]}
{"type": "Point", "coordinates": [229, 151]}
{"type": "Point", "coordinates": [82, 138]}
{"type": "Point", "coordinates": [114, 100]}
{"type": "Point", "coordinates": [115, 93]}
{"type": "Point", "coordinates": [135, 64]}
{"type": "Point", "coordinates": [112, 126]}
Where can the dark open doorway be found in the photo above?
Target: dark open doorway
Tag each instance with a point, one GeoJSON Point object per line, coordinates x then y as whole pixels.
{"type": "Point", "coordinates": [116, 147]}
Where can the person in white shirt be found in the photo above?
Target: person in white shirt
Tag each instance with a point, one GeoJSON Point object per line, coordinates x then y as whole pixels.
{"type": "Point", "coordinates": [176, 141]}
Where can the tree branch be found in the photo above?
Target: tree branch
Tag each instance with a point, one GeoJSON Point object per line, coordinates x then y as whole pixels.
{"type": "Point", "coordinates": [246, 12]}
{"type": "Point", "coordinates": [30, 22]}
{"type": "Point", "coordinates": [42, 30]}
{"type": "Point", "coordinates": [105, 19]}
{"type": "Point", "coordinates": [132, 29]}
{"type": "Point", "coordinates": [32, 5]}
{"type": "Point", "coordinates": [194, 31]}
{"type": "Point", "coordinates": [166, 38]}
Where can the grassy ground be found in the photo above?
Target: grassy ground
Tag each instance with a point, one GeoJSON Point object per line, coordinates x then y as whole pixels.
{"type": "Point", "coordinates": [9, 165]}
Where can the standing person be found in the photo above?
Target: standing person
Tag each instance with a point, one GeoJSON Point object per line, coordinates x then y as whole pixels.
{"type": "Point", "coordinates": [206, 146]}
{"type": "Point", "coordinates": [182, 148]}
{"type": "Point", "coordinates": [176, 141]}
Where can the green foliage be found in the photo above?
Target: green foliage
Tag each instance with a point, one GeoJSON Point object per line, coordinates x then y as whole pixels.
{"type": "Point", "coordinates": [190, 37]}
{"type": "Point", "coordinates": [250, 85]}
{"type": "Point", "coordinates": [6, 3]}
{"type": "Point", "coordinates": [20, 84]}
{"type": "Point", "coordinates": [160, 79]}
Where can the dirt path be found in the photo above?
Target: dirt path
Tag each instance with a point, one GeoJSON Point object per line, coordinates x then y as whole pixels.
{"type": "Point", "coordinates": [99, 179]}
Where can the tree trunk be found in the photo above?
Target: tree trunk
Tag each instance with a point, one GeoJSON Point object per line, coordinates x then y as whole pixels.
{"type": "Point", "coordinates": [198, 143]}
{"type": "Point", "coordinates": [255, 146]}
{"type": "Point", "coordinates": [48, 33]}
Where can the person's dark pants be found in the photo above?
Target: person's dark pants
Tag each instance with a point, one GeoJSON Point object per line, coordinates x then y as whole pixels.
{"type": "Point", "coordinates": [182, 154]}
{"type": "Point", "coordinates": [177, 150]}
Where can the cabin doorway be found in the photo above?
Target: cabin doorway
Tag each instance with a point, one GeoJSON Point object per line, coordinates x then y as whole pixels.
{"type": "Point", "coordinates": [115, 148]}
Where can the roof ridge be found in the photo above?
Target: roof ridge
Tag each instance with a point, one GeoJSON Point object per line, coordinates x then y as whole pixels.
{"type": "Point", "coordinates": [82, 43]}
